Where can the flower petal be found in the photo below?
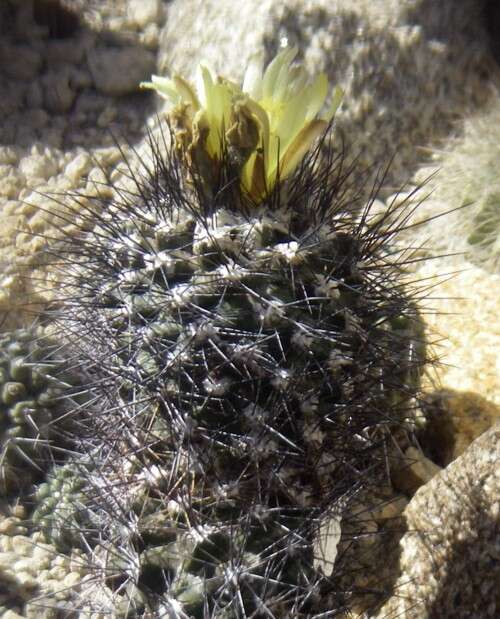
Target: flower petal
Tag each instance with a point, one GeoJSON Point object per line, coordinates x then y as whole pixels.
{"type": "Point", "coordinates": [317, 93]}
{"type": "Point", "coordinates": [299, 147]}
{"type": "Point", "coordinates": [275, 68]}
{"type": "Point", "coordinates": [186, 92]}
{"type": "Point", "coordinates": [337, 96]}
{"type": "Point", "coordinates": [164, 86]}
{"type": "Point", "coordinates": [252, 81]}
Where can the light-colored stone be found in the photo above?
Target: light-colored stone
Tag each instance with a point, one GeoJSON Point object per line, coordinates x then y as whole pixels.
{"type": "Point", "coordinates": [33, 573]}
{"type": "Point", "coordinates": [119, 70]}
{"type": "Point", "coordinates": [450, 556]}
{"type": "Point", "coordinates": [11, 184]}
{"type": "Point", "coordinates": [10, 614]}
{"type": "Point", "coordinates": [40, 165]}
{"type": "Point", "coordinates": [78, 167]}
{"type": "Point", "coordinates": [8, 155]}
{"type": "Point", "coordinates": [150, 36]}
{"type": "Point", "coordinates": [141, 13]}
{"type": "Point", "coordinates": [463, 319]}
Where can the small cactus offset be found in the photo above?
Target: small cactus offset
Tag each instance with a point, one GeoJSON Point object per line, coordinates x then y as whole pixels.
{"type": "Point", "coordinates": [62, 510]}
{"type": "Point", "coordinates": [252, 342]}
{"type": "Point", "coordinates": [33, 386]}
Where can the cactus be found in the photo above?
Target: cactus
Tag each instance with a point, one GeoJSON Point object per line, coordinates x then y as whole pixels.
{"type": "Point", "coordinates": [253, 344]}
{"type": "Point", "coordinates": [33, 385]}
{"type": "Point", "coordinates": [61, 507]}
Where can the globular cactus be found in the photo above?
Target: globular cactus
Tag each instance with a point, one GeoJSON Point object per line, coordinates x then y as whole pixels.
{"type": "Point", "coordinates": [33, 386]}
{"type": "Point", "coordinates": [61, 509]}
{"type": "Point", "coordinates": [253, 341]}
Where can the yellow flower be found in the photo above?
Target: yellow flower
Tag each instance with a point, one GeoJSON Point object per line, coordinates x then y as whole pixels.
{"type": "Point", "coordinates": [266, 125]}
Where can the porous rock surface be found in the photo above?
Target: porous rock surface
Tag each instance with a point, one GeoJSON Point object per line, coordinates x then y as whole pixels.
{"type": "Point", "coordinates": [35, 581]}
{"type": "Point", "coordinates": [69, 107]}
{"type": "Point", "coordinates": [450, 555]}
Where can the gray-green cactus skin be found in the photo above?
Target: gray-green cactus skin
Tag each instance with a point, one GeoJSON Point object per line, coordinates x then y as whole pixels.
{"type": "Point", "coordinates": [255, 359]}
{"type": "Point", "coordinates": [32, 387]}
{"type": "Point", "coordinates": [61, 507]}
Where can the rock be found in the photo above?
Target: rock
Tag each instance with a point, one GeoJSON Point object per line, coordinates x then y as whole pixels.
{"type": "Point", "coordinates": [454, 420]}
{"type": "Point", "coordinates": [326, 542]}
{"type": "Point", "coordinates": [107, 116]}
{"type": "Point", "coordinates": [34, 94]}
{"type": "Point", "coordinates": [10, 101]}
{"type": "Point", "coordinates": [78, 167]}
{"type": "Point", "coordinates": [413, 471]}
{"type": "Point", "coordinates": [150, 36]}
{"type": "Point", "coordinates": [367, 555]}
{"type": "Point", "coordinates": [8, 155]}
{"type": "Point", "coordinates": [450, 556]}
{"type": "Point", "coordinates": [33, 575]}
{"type": "Point", "coordinates": [141, 13]}
{"type": "Point", "coordinates": [79, 78]}
{"type": "Point", "coordinates": [65, 51]}
{"type": "Point", "coordinates": [20, 62]}
{"type": "Point", "coordinates": [57, 91]}
{"type": "Point", "coordinates": [40, 165]}
{"type": "Point", "coordinates": [119, 70]}
{"type": "Point", "coordinates": [12, 183]}
{"type": "Point", "coordinates": [36, 118]}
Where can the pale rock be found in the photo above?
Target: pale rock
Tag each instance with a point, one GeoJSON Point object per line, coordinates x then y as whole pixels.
{"type": "Point", "coordinates": [78, 167]}
{"type": "Point", "coordinates": [326, 543]}
{"type": "Point", "coordinates": [8, 155]}
{"type": "Point", "coordinates": [40, 165]}
{"type": "Point", "coordinates": [35, 570]}
{"type": "Point", "coordinates": [10, 614]}
{"type": "Point", "coordinates": [141, 13]}
{"type": "Point", "coordinates": [12, 184]}
{"type": "Point", "coordinates": [118, 71]}
{"type": "Point", "coordinates": [450, 555]}
{"type": "Point", "coordinates": [150, 36]}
